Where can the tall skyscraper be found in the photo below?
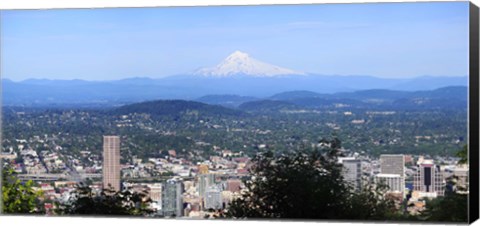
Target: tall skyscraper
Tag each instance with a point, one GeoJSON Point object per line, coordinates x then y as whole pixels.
{"type": "Point", "coordinates": [428, 180]}
{"type": "Point", "coordinates": [111, 162]}
{"type": "Point", "coordinates": [155, 192]}
{"type": "Point", "coordinates": [393, 165]}
{"type": "Point", "coordinates": [394, 182]}
{"type": "Point", "coordinates": [213, 198]}
{"type": "Point", "coordinates": [352, 173]}
{"type": "Point", "coordinates": [205, 181]}
{"type": "Point", "coordinates": [172, 198]}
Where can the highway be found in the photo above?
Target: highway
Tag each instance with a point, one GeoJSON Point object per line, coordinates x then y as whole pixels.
{"type": "Point", "coordinates": [55, 177]}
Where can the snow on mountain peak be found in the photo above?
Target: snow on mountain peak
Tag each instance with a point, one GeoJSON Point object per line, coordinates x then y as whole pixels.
{"type": "Point", "coordinates": [241, 63]}
{"type": "Point", "coordinates": [238, 55]}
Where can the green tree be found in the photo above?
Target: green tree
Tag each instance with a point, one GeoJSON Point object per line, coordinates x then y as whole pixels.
{"type": "Point", "coordinates": [85, 201]}
{"type": "Point", "coordinates": [453, 207]}
{"type": "Point", "coordinates": [463, 155]}
{"type": "Point", "coordinates": [305, 184]}
{"type": "Point", "coordinates": [18, 196]}
{"type": "Point", "coordinates": [372, 204]}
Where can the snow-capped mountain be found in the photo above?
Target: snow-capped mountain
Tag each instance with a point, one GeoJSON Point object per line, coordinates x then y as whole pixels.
{"type": "Point", "coordinates": [239, 63]}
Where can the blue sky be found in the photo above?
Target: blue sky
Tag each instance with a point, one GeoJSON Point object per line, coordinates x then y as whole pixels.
{"type": "Point", "coordinates": [383, 40]}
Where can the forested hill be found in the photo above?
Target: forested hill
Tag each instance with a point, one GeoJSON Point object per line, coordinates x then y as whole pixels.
{"type": "Point", "coordinates": [268, 106]}
{"type": "Point", "coordinates": [175, 108]}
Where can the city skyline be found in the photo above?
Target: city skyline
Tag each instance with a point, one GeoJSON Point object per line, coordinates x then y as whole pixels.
{"type": "Point", "coordinates": [108, 44]}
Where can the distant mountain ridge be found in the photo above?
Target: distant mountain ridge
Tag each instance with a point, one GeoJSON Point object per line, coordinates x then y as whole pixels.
{"type": "Point", "coordinates": [190, 87]}
{"type": "Point", "coordinates": [442, 98]}
{"type": "Point", "coordinates": [296, 95]}
{"type": "Point", "coordinates": [446, 98]}
{"type": "Point", "coordinates": [237, 75]}
{"type": "Point", "coordinates": [439, 99]}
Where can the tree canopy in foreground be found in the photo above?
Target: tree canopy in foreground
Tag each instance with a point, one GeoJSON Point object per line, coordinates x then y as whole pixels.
{"type": "Point", "coordinates": [19, 197]}
{"type": "Point", "coordinates": [87, 201]}
{"type": "Point", "coordinates": [307, 184]}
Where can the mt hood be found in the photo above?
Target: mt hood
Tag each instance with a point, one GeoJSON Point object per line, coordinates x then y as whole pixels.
{"type": "Point", "coordinates": [239, 63]}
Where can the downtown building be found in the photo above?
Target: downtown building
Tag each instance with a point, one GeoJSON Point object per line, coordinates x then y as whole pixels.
{"type": "Point", "coordinates": [460, 173]}
{"type": "Point", "coordinates": [428, 180]}
{"type": "Point", "coordinates": [155, 194]}
{"type": "Point", "coordinates": [233, 185]}
{"type": "Point", "coordinates": [111, 162]}
{"type": "Point", "coordinates": [392, 164]}
{"type": "Point", "coordinates": [352, 172]}
{"type": "Point", "coordinates": [204, 182]}
{"type": "Point", "coordinates": [394, 182]}
{"type": "Point", "coordinates": [172, 198]}
{"type": "Point", "coordinates": [213, 198]}
{"type": "Point", "coordinates": [392, 168]}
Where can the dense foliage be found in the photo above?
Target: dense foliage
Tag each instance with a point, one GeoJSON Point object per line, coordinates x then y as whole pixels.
{"type": "Point", "coordinates": [453, 207]}
{"type": "Point", "coordinates": [19, 197]}
{"type": "Point", "coordinates": [308, 185]}
{"type": "Point", "coordinates": [270, 106]}
{"type": "Point", "coordinates": [85, 201]}
{"type": "Point", "coordinates": [463, 155]}
{"type": "Point", "coordinates": [174, 107]}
